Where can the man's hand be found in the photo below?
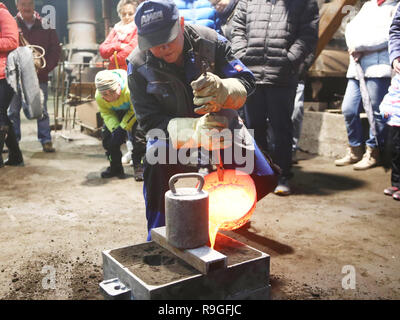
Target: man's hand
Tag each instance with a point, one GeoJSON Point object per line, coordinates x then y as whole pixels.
{"type": "Point", "coordinates": [396, 65]}
{"type": "Point", "coordinates": [209, 93]}
{"type": "Point", "coordinates": [212, 132]}
{"type": "Point", "coordinates": [118, 136]}
{"type": "Point", "coordinates": [355, 54]}
{"type": "Point", "coordinates": [213, 93]}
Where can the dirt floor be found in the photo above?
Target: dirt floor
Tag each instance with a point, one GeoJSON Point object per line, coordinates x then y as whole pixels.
{"type": "Point", "coordinates": [57, 215]}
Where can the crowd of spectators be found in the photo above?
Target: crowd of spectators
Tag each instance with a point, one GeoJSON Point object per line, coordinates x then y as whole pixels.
{"type": "Point", "coordinates": [275, 40]}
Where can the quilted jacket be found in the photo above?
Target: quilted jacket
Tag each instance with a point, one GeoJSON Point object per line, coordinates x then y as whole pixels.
{"type": "Point", "coordinates": [274, 37]}
{"type": "Point", "coordinates": [8, 37]}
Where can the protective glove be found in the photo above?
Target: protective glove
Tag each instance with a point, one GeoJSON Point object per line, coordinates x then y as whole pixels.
{"type": "Point", "coordinates": [118, 136]}
{"type": "Point", "coordinates": [207, 132]}
{"type": "Point", "coordinates": [213, 93]}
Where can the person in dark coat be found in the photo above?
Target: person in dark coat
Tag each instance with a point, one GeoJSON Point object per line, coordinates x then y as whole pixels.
{"type": "Point", "coordinates": [186, 86]}
{"type": "Point", "coordinates": [30, 24]}
{"type": "Point", "coordinates": [273, 38]}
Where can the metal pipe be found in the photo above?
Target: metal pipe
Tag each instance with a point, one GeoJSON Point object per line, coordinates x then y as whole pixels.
{"type": "Point", "coordinates": [107, 16]}
{"type": "Point", "coordinates": [82, 24]}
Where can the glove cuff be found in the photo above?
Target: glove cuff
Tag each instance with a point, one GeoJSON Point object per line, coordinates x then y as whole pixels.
{"type": "Point", "coordinates": [236, 93]}
{"type": "Point", "coordinates": [181, 131]}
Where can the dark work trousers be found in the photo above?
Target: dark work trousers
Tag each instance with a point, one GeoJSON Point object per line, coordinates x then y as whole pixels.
{"type": "Point", "coordinates": [7, 134]}
{"type": "Point", "coordinates": [113, 151]}
{"type": "Point", "coordinates": [156, 179]}
{"type": "Point", "coordinates": [395, 137]}
{"type": "Point", "coordinates": [268, 111]}
{"type": "Point", "coordinates": [6, 94]}
{"type": "Point", "coordinates": [138, 139]}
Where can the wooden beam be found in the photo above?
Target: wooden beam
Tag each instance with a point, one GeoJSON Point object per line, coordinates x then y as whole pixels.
{"type": "Point", "coordinates": [330, 21]}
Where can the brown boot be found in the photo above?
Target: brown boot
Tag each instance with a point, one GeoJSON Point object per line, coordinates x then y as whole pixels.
{"type": "Point", "coordinates": [353, 155]}
{"type": "Point", "coordinates": [48, 147]}
{"type": "Point", "coordinates": [369, 160]}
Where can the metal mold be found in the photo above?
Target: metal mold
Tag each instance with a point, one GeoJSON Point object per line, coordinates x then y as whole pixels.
{"type": "Point", "coordinates": [152, 272]}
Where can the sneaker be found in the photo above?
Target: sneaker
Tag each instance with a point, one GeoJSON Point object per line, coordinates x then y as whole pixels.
{"type": "Point", "coordinates": [48, 147]}
{"type": "Point", "coordinates": [138, 172]}
{"type": "Point", "coordinates": [283, 188]}
{"type": "Point", "coordinates": [14, 163]}
{"type": "Point", "coordinates": [15, 160]}
{"type": "Point", "coordinates": [390, 191]}
{"type": "Point", "coordinates": [396, 195]}
{"type": "Point", "coordinates": [127, 157]}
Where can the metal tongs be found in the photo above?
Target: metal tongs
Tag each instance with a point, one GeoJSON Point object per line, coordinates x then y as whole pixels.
{"type": "Point", "coordinates": [220, 165]}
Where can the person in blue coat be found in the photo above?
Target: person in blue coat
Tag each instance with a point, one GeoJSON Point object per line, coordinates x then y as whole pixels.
{"type": "Point", "coordinates": [225, 11]}
{"type": "Point", "coordinates": [200, 12]}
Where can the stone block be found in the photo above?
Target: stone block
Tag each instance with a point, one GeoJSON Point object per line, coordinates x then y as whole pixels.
{"type": "Point", "coordinates": [325, 134]}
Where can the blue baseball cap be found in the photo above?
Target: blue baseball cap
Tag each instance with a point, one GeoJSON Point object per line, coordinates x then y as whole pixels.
{"type": "Point", "coordinates": [157, 22]}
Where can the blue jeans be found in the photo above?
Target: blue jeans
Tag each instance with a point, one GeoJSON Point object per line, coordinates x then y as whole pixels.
{"type": "Point", "coordinates": [352, 107]}
{"type": "Point", "coordinates": [43, 124]}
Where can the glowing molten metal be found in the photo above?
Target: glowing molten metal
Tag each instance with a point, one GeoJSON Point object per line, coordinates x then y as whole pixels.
{"type": "Point", "coordinates": [231, 201]}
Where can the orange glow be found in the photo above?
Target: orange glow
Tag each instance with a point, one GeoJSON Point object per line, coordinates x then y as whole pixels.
{"type": "Point", "coordinates": [231, 201]}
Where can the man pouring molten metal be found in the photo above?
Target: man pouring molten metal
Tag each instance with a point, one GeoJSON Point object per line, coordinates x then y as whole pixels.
{"type": "Point", "coordinates": [186, 86]}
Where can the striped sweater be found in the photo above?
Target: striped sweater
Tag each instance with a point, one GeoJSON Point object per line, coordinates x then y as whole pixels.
{"type": "Point", "coordinates": [390, 105]}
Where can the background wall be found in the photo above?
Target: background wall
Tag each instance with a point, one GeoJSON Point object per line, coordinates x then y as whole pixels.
{"type": "Point", "coordinates": [62, 16]}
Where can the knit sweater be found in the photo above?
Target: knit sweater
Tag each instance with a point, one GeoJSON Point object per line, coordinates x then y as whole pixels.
{"type": "Point", "coordinates": [390, 104]}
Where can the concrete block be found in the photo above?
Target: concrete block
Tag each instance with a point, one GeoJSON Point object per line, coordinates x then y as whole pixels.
{"type": "Point", "coordinates": [315, 106]}
{"type": "Point", "coordinates": [325, 134]}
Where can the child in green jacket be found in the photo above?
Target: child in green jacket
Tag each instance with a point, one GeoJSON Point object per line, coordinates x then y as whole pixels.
{"type": "Point", "coordinates": [116, 109]}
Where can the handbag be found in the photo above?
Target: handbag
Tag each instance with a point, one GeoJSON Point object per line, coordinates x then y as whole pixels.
{"type": "Point", "coordinates": [38, 52]}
